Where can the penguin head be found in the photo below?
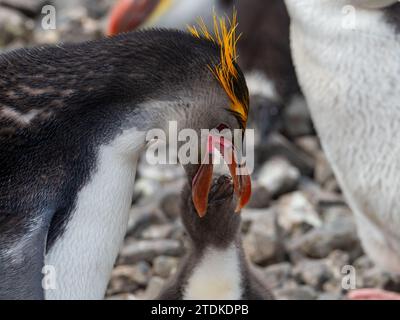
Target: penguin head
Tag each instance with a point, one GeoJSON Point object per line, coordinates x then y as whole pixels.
{"type": "Point", "coordinates": [200, 85]}
{"type": "Point", "coordinates": [232, 82]}
{"type": "Point", "coordinates": [220, 227]}
{"type": "Point", "coordinates": [128, 15]}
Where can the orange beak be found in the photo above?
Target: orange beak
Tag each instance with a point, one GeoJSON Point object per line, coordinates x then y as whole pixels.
{"type": "Point", "coordinates": [127, 15]}
{"type": "Point", "coordinates": [201, 183]}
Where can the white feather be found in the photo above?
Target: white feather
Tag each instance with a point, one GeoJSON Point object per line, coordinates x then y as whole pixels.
{"type": "Point", "coordinates": [216, 277]}
{"type": "Point", "coordinates": [84, 256]}
{"type": "Point", "coordinates": [350, 77]}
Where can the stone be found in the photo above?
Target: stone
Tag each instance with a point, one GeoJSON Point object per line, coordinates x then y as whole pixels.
{"type": "Point", "coordinates": [295, 209]}
{"type": "Point", "coordinates": [260, 197]}
{"type": "Point", "coordinates": [297, 119]}
{"type": "Point", "coordinates": [141, 273]}
{"type": "Point", "coordinates": [278, 176]}
{"type": "Point", "coordinates": [329, 296]}
{"type": "Point", "coordinates": [171, 205]}
{"type": "Point", "coordinates": [120, 284]}
{"type": "Point", "coordinates": [157, 231]}
{"type": "Point", "coordinates": [122, 296]}
{"type": "Point", "coordinates": [277, 275]}
{"type": "Point", "coordinates": [316, 194]}
{"type": "Point", "coordinates": [147, 250]}
{"type": "Point", "coordinates": [309, 144]}
{"type": "Point", "coordinates": [320, 242]}
{"type": "Point", "coordinates": [262, 243]}
{"type": "Point", "coordinates": [312, 272]}
{"type": "Point", "coordinates": [164, 266]}
{"type": "Point", "coordinates": [30, 8]}
{"type": "Point", "coordinates": [279, 146]}
{"type": "Point", "coordinates": [13, 25]}
{"type": "Point", "coordinates": [296, 293]}
{"type": "Point", "coordinates": [323, 171]}
{"type": "Point", "coordinates": [154, 288]}
{"type": "Point", "coordinates": [127, 278]}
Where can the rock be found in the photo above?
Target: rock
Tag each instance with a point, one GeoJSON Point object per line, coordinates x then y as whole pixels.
{"type": "Point", "coordinates": [309, 144]}
{"type": "Point", "coordinates": [331, 185]}
{"type": "Point", "coordinates": [297, 119]}
{"type": "Point", "coordinates": [122, 296]}
{"type": "Point", "coordinates": [278, 176]}
{"type": "Point", "coordinates": [126, 278]}
{"type": "Point", "coordinates": [142, 217]}
{"type": "Point", "coordinates": [363, 263]}
{"type": "Point", "coordinates": [323, 171]}
{"type": "Point", "coordinates": [98, 8]}
{"type": "Point", "coordinates": [13, 25]}
{"type": "Point", "coordinates": [154, 288]}
{"type": "Point", "coordinates": [141, 273]}
{"type": "Point", "coordinates": [30, 8]}
{"type": "Point", "coordinates": [296, 293]}
{"type": "Point", "coordinates": [295, 209]}
{"type": "Point", "coordinates": [329, 296]}
{"type": "Point", "coordinates": [121, 283]}
{"type": "Point", "coordinates": [312, 272]}
{"type": "Point", "coordinates": [157, 231]}
{"type": "Point", "coordinates": [322, 197]}
{"type": "Point", "coordinates": [373, 278]}
{"type": "Point", "coordinates": [262, 243]}
{"type": "Point", "coordinates": [252, 216]}
{"type": "Point", "coordinates": [318, 243]}
{"type": "Point", "coordinates": [164, 266]}
{"type": "Point", "coordinates": [149, 249]}
{"type": "Point", "coordinates": [277, 275]}
{"type": "Point", "coordinates": [335, 261]}
{"type": "Point", "coordinates": [171, 205]}
{"type": "Point", "coordinates": [278, 145]}
{"type": "Point", "coordinates": [260, 197]}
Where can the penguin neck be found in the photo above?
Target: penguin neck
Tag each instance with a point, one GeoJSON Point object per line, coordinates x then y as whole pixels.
{"type": "Point", "coordinates": [216, 273]}
{"type": "Point", "coordinates": [84, 254]}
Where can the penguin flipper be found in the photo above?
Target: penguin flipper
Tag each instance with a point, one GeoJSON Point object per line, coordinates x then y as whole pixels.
{"type": "Point", "coordinates": [22, 252]}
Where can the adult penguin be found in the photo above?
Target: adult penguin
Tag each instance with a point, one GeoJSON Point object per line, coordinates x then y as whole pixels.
{"type": "Point", "coordinates": [74, 120]}
{"type": "Point", "coordinates": [346, 57]}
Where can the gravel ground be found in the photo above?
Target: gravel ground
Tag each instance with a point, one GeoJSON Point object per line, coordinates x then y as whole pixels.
{"type": "Point", "coordinates": [297, 230]}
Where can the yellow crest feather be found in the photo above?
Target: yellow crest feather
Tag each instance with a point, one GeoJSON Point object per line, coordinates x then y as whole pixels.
{"type": "Point", "coordinates": [225, 36]}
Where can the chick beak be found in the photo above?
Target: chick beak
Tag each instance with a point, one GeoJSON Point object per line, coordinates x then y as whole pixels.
{"type": "Point", "coordinates": [129, 14]}
{"type": "Point", "coordinates": [201, 183]}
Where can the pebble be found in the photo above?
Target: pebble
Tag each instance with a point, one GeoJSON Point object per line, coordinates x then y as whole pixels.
{"type": "Point", "coordinates": [154, 288]}
{"type": "Point", "coordinates": [149, 249]}
{"type": "Point", "coordinates": [297, 119]}
{"type": "Point", "coordinates": [262, 243]}
{"type": "Point", "coordinates": [30, 8]}
{"type": "Point", "coordinates": [12, 25]}
{"type": "Point", "coordinates": [295, 209]}
{"type": "Point", "coordinates": [301, 292]}
{"type": "Point", "coordinates": [278, 176]}
{"type": "Point", "coordinates": [164, 266]}
{"type": "Point", "coordinates": [321, 241]}
{"type": "Point", "coordinates": [323, 172]}
{"type": "Point", "coordinates": [277, 275]}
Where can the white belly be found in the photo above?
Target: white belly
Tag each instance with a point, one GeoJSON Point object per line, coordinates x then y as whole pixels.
{"type": "Point", "coordinates": [84, 256]}
{"type": "Point", "coordinates": [216, 277]}
{"type": "Point", "coordinates": [351, 81]}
